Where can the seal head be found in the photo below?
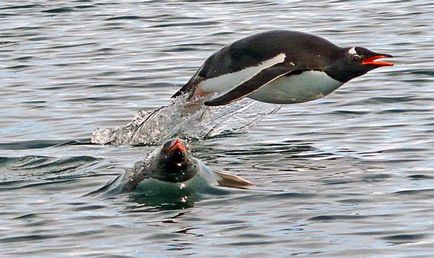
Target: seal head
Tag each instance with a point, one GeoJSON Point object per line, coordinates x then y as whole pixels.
{"type": "Point", "coordinates": [173, 163]}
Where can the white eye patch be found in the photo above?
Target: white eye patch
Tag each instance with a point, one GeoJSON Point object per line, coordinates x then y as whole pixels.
{"type": "Point", "coordinates": [352, 51]}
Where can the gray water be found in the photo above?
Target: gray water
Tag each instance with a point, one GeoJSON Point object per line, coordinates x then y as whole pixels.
{"type": "Point", "coordinates": [348, 175]}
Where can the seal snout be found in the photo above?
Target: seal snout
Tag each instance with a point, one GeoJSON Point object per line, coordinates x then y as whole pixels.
{"type": "Point", "coordinates": [174, 162]}
{"type": "Point", "coordinates": [176, 150]}
{"type": "Point", "coordinates": [177, 145]}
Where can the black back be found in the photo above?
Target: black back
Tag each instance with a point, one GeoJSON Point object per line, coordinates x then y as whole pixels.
{"type": "Point", "coordinates": [304, 51]}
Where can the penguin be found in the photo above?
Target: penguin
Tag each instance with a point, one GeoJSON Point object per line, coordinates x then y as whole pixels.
{"type": "Point", "coordinates": [279, 67]}
{"type": "Point", "coordinates": [171, 168]}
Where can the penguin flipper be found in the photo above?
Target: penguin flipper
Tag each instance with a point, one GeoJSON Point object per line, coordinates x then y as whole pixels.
{"type": "Point", "coordinates": [260, 79]}
{"type": "Point", "coordinates": [233, 181]}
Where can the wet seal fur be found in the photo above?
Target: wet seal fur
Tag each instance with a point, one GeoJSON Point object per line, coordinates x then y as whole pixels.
{"type": "Point", "coordinates": [171, 166]}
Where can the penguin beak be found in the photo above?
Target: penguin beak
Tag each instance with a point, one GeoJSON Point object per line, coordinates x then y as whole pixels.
{"type": "Point", "coordinates": [371, 60]}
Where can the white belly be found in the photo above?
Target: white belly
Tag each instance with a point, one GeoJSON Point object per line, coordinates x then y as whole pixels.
{"type": "Point", "coordinates": [227, 82]}
{"type": "Point", "coordinates": [308, 85]}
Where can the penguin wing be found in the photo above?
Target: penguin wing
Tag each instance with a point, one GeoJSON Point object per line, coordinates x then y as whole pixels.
{"type": "Point", "coordinates": [229, 180]}
{"type": "Point", "coordinates": [247, 87]}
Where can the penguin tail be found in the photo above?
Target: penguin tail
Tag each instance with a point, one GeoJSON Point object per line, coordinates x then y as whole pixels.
{"type": "Point", "coordinates": [188, 88]}
{"type": "Point", "coordinates": [179, 92]}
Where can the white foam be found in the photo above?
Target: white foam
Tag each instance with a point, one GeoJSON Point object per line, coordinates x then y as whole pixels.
{"type": "Point", "coordinates": [156, 127]}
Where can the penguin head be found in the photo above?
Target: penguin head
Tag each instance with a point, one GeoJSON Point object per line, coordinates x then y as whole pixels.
{"type": "Point", "coordinates": [356, 61]}
{"type": "Point", "coordinates": [174, 162]}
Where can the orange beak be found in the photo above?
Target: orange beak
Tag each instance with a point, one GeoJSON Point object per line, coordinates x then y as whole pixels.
{"type": "Point", "coordinates": [371, 61]}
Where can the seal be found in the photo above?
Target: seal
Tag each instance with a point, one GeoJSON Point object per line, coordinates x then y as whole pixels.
{"type": "Point", "coordinates": [280, 67]}
{"type": "Point", "coordinates": [171, 166]}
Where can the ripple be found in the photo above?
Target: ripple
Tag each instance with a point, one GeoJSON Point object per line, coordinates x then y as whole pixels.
{"type": "Point", "coordinates": [27, 216]}
{"type": "Point", "coordinates": [229, 222]}
{"type": "Point", "coordinates": [185, 24]}
{"type": "Point", "coordinates": [379, 100]}
{"type": "Point", "coordinates": [423, 72]}
{"type": "Point", "coordinates": [26, 6]}
{"type": "Point", "coordinates": [376, 177]}
{"type": "Point", "coordinates": [25, 184]}
{"type": "Point", "coordinates": [127, 17]}
{"type": "Point", "coordinates": [252, 243]}
{"type": "Point", "coordinates": [337, 217]}
{"type": "Point", "coordinates": [420, 177]}
{"type": "Point", "coordinates": [36, 171]}
{"type": "Point", "coordinates": [405, 238]}
{"type": "Point", "coordinates": [270, 149]}
{"type": "Point", "coordinates": [330, 175]}
{"type": "Point", "coordinates": [79, 45]}
{"type": "Point", "coordinates": [39, 144]}
{"type": "Point", "coordinates": [424, 192]}
{"type": "Point", "coordinates": [27, 238]}
{"type": "Point", "coordinates": [89, 207]}
{"type": "Point", "coordinates": [59, 10]}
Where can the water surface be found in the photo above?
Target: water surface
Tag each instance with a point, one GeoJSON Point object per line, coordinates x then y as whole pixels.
{"type": "Point", "coordinates": [348, 175]}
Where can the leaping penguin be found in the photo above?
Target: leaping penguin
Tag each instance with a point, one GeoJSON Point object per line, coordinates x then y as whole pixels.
{"type": "Point", "coordinates": [280, 67]}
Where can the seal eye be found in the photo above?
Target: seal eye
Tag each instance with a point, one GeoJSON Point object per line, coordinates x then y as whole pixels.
{"type": "Point", "coordinates": [355, 58]}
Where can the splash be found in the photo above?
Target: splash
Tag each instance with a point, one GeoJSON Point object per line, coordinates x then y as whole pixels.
{"type": "Point", "coordinates": [185, 120]}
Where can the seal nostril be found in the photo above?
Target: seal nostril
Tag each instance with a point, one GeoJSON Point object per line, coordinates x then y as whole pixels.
{"type": "Point", "coordinates": [178, 155]}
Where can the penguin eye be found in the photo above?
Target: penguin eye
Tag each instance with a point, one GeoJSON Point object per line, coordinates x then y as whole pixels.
{"type": "Point", "coordinates": [355, 58]}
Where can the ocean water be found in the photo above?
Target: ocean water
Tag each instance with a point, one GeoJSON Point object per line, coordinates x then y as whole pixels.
{"type": "Point", "coordinates": [348, 175]}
